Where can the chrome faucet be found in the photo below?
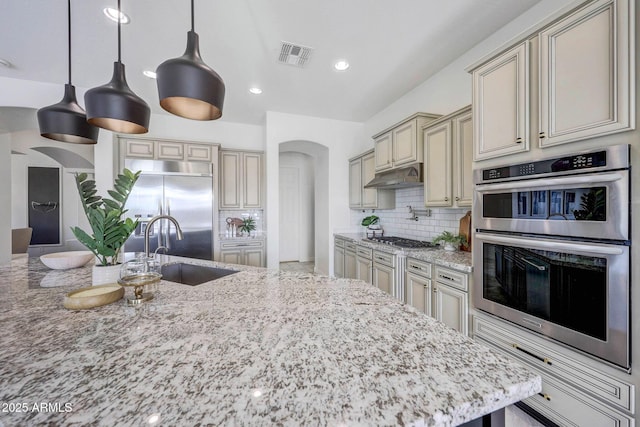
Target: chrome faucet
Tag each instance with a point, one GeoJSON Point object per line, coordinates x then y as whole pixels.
{"type": "Point", "coordinates": [150, 227]}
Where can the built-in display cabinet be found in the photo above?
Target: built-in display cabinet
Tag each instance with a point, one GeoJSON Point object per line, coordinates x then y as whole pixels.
{"type": "Point", "coordinates": [361, 171]}
{"type": "Point", "coordinates": [401, 144]}
{"type": "Point", "coordinates": [438, 292]}
{"type": "Point", "coordinates": [241, 179]}
{"type": "Point", "coordinates": [448, 158]}
{"type": "Point", "coordinates": [571, 80]}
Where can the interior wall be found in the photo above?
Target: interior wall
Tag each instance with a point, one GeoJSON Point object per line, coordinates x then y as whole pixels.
{"type": "Point", "coordinates": [304, 234]}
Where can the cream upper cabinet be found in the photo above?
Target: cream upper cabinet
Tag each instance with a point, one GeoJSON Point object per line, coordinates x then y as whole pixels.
{"type": "Point", "coordinates": [586, 74]}
{"type": "Point", "coordinates": [438, 187]}
{"type": "Point", "coordinates": [241, 183]}
{"type": "Point", "coordinates": [361, 171]}
{"type": "Point", "coordinates": [448, 157]}
{"type": "Point", "coordinates": [401, 144]}
{"type": "Point", "coordinates": [501, 104]}
{"type": "Point", "coordinates": [168, 150]}
{"type": "Point", "coordinates": [383, 151]}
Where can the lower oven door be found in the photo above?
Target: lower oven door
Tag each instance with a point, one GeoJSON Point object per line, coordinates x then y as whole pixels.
{"type": "Point", "coordinates": [594, 206]}
{"type": "Point", "coordinates": [574, 292]}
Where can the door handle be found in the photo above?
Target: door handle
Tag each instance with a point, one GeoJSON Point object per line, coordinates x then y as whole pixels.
{"type": "Point", "coordinates": [539, 267]}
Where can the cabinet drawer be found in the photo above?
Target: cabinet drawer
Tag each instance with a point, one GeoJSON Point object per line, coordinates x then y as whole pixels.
{"type": "Point", "coordinates": [421, 268]}
{"type": "Point", "coordinates": [550, 358]}
{"type": "Point", "coordinates": [350, 246]}
{"type": "Point", "coordinates": [452, 278]}
{"type": "Point", "coordinates": [384, 258]}
{"type": "Point", "coordinates": [339, 242]}
{"type": "Point", "coordinates": [364, 252]}
{"type": "Point", "coordinates": [236, 244]}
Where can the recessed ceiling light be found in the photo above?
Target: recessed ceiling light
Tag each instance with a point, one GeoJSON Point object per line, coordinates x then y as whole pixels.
{"type": "Point", "coordinates": [112, 14]}
{"type": "Point", "coordinates": [341, 65]}
{"type": "Point", "coordinates": [150, 74]}
{"type": "Point", "coordinates": [255, 90]}
{"type": "Point", "coordinates": [5, 63]}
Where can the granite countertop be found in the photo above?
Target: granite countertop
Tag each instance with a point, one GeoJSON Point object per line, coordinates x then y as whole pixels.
{"type": "Point", "coordinates": [458, 260]}
{"type": "Point", "coordinates": [258, 347]}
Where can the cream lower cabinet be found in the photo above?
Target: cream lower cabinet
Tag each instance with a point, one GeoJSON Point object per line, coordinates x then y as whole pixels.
{"type": "Point", "coordinates": [243, 252]}
{"type": "Point", "coordinates": [364, 263]}
{"type": "Point", "coordinates": [338, 257]}
{"type": "Point", "coordinates": [576, 390]}
{"type": "Point", "coordinates": [384, 272]}
{"type": "Point", "coordinates": [241, 180]}
{"type": "Point", "coordinates": [443, 296]}
{"type": "Point", "coordinates": [350, 261]}
{"type": "Point", "coordinates": [448, 160]}
{"type": "Point", "coordinates": [361, 171]}
{"type": "Point", "coordinates": [586, 74]}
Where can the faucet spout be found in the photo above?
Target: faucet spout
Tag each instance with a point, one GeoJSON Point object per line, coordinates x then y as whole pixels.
{"type": "Point", "coordinates": [148, 229]}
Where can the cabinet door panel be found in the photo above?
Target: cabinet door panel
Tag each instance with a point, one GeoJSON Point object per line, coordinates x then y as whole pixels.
{"type": "Point", "coordinates": [355, 183]}
{"type": "Point", "coordinates": [585, 73]}
{"type": "Point", "coordinates": [463, 159]}
{"type": "Point", "coordinates": [140, 149]}
{"type": "Point", "coordinates": [419, 293]}
{"type": "Point", "coordinates": [254, 257]}
{"type": "Point", "coordinates": [437, 167]}
{"type": "Point", "coordinates": [197, 152]}
{"type": "Point", "coordinates": [405, 149]}
{"type": "Point", "coordinates": [170, 150]}
{"type": "Point", "coordinates": [450, 307]}
{"type": "Point", "coordinates": [383, 152]}
{"type": "Point", "coordinates": [501, 104]}
{"type": "Point", "coordinates": [383, 278]}
{"type": "Point", "coordinates": [231, 257]}
{"type": "Point", "coordinates": [369, 195]}
{"type": "Point", "coordinates": [338, 262]}
{"type": "Point", "coordinates": [252, 180]}
{"type": "Point", "coordinates": [230, 180]}
{"type": "Point", "coordinates": [350, 266]}
{"type": "Point", "coordinates": [363, 269]}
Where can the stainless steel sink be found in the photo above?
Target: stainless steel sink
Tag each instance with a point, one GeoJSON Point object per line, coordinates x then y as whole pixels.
{"type": "Point", "coordinates": [190, 274]}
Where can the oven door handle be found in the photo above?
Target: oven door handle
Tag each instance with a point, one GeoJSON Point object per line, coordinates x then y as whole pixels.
{"type": "Point", "coordinates": [550, 182]}
{"type": "Point", "coordinates": [552, 245]}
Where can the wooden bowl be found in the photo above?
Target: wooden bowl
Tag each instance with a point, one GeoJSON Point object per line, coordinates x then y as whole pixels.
{"type": "Point", "coordinates": [93, 296]}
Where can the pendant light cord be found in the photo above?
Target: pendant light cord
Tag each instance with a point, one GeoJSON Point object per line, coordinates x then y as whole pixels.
{"type": "Point", "coordinates": [192, 27]}
{"type": "Point", "coordinates": [69, 38]}
{"type": "Point", "coordinates": [119, 20]}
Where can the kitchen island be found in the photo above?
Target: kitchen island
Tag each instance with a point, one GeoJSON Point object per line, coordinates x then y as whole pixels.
{"type": "Point", "coordinates": [258, 347]}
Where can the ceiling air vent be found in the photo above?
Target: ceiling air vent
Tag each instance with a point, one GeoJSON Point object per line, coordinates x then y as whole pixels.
{"type": "Point", "coordinates": [294, 54]}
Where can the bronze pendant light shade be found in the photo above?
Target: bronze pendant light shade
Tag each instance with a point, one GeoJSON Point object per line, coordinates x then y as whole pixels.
{"type": "Point", "coordinates": [188, 87]}
{"type": "Point", "coordinates": [66, 121]}
{"type": "Point", "coordinates": [114, 106]}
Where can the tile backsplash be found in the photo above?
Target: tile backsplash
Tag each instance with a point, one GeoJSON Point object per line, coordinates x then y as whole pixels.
{"type": "Point", "coordinates": [397, 222]}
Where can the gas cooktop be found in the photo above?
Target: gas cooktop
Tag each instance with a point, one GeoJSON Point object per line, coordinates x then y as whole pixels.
{"type": "Point", "coordinates": [401, 242]}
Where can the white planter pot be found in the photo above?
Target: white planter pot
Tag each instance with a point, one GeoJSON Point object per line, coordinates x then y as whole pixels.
{"type": "Point", "coordinates": [449, 247]}
{"type": "Point", "coordinates": [102, 275]}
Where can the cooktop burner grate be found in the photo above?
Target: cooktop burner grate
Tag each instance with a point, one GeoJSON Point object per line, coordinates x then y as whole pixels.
{"type": "Point", "coordinates": [401, 242]}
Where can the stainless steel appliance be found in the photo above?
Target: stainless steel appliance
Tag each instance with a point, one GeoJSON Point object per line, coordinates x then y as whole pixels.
{"type": "Point", "coordinates": [553, 249]}
{"type": "Point", "coordinates": [183, 190]}
{"type": "Point", "coordinates": [401, 242]}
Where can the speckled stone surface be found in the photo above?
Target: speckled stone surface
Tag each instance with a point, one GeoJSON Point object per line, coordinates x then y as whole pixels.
{"type": "Point", "coordinates": [258, 347]}
{"type": "Point", "coordinates": [458, 260]}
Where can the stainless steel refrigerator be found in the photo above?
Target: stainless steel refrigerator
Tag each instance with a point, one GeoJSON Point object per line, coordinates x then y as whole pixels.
{"type": "Point", "coordinates": [183, 190]}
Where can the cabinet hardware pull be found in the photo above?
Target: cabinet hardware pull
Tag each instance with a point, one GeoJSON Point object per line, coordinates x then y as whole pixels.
{"type": "Point", "coordinates": [542, 135]}
{"type": "Point", "coordinates": [457, 198]}
{"type": "Point", "coordinates": [446, 199]}
{"type": "Point", "coordinates": [518, 140]}
{"type": "Point", "coordinates": [545, 396]}
{"type": "Point", "coordinates": [542, 359]}
{"type": "Point", "coordinates": [539, 267]}
{"type": "Point", "coordinates": [416, 267]}
{"type": "Point", "coordinates": [446, 277]}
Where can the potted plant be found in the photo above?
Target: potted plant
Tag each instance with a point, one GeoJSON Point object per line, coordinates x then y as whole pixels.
{"type": "Point", "coordinates": [451, 242]}
{"type": "Point", "coordinates": [248, 225]}
{"type": "Point", "coordinates": [109, 230]}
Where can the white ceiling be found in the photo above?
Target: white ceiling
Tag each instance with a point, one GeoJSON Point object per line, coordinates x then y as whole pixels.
{"type": "Point", "coordinates": [392, 47]}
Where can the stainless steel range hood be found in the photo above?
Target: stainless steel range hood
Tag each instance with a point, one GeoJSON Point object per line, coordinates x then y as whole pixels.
{"type": "Point", "coordinates": [410, 176]}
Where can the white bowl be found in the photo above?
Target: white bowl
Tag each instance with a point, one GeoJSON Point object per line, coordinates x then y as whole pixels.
{"type": "Point", "coordinates": [64, 260]}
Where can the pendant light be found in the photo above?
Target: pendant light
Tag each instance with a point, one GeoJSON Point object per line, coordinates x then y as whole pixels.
{"type": "Point", "coordinates": [66, 121]}
{"type": "Point", "coordinates": [188, 87]}
{"type": "Point", "coordinates": [114, 106]}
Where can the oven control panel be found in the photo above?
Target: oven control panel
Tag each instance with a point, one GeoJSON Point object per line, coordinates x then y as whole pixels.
{"type": "Point", "coordinates": [562, 164]}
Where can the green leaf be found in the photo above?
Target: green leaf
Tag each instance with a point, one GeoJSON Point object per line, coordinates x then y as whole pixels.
{"type": "Point", "coordinates": [117, 196]}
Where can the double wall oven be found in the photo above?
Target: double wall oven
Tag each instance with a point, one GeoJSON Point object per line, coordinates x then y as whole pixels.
{"type": "Point", "coordinates": [552, 249]}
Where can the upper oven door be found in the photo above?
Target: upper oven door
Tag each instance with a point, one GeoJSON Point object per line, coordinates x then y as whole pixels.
{"type": "Point", "coordinates": [593, 206]}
